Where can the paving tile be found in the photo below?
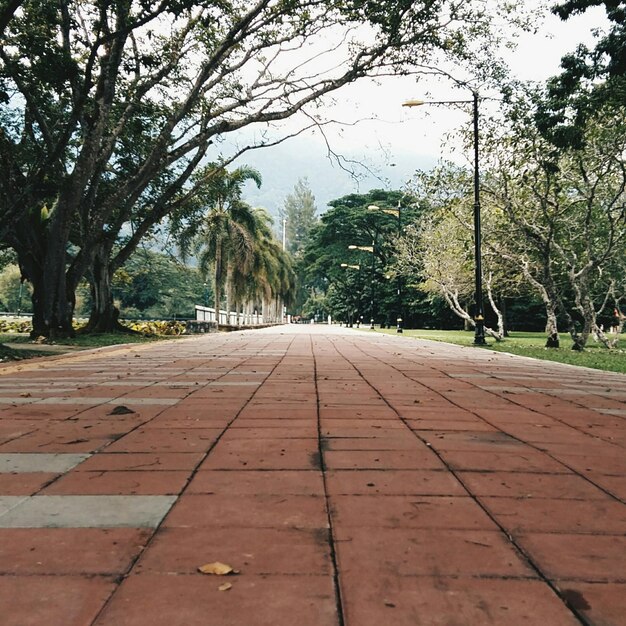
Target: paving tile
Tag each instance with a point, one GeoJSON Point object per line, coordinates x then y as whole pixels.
{"type": "Point", "coordinates": [393, 482]}
{"type": "Point", "coordinates": [119, 483]}
{"type": "Point", "coordinates": [526, 461]}
{"type": "Point", "coordinates": [51, 463]}
{"type": "Point", "coordinates": [440, 424]}
{"type": "Point", "coordinates": [141, 461]}
{"type": "Point", "coordinates": [398, 442]}
{"type": "Point", "coordinates": [24, 484]}
{"type": "Point", "coordinates": [277, 456]}
{"type": "Point", "coordinates": [473, 441]}
{"type": "Point", "coordinates": [409, 512]}
{"type": "Point", "coordinates": [382, 459]}
{"type": "Point", "coordinates": [9, 502]}
{"type": "Point", "coordinates": [273, 423]}
{"type": "Point", "coordinates": [428, 552]}
{"type": "Point", "coordinates": [531, 485]}
{"type": "Point", "coordinates": [616, 485]}
{"type": "Point", "coordinates": [559, 516]}
{"type": "Point", "coordinates": [589, 558]}
{"type": "Point", "coordinates": [285, 432]}
{"type": "Point", "coordinates": [605, 465]}
{"type": "Point", "coordinates": [52, 600]}
{"type": "Point", "coordinates": [86, 511]}
{"type": "Point", "coordinates": [63, 551]}
{"type": "Point", "coordinates": [245, 511]}
{"type": "Point", "coordinates": [164, 600]}
{"type": "Point", "coordinates": [67, 443]}
{"type": "Point", "coordinates": [162, 440]}
{"type": "Point", "coordinates": [255, 482]}
{"type": "Point", "coordinates": [601, 604]}
{"type": "Point", "coordinates": [256, 551]}
{"type": "Point", "coordinates": [440, 601]}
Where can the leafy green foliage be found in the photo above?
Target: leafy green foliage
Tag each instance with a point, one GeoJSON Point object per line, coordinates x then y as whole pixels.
{"type": "Point", "coordinates": [349, 222]}
{"type": "Point", "coordinates": [108, 109]}
{"type": "Point", "coordinates": [15, 295]}
{"type": "Point", "coordinates": [298, 215]}
{"type": "Point", "coordinates": [591, 79]}
{"type": "Point", "coordinates": [154, 285]}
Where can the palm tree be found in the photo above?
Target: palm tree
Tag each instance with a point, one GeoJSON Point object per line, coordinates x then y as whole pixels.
{"type": "Point", "coordinates": [223, 239]}
{"type": "Point", "coordinates": [269, 277]}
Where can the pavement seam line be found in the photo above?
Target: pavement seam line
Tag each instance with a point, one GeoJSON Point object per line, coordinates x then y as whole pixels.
{"type": "Point", "coordinates": [331, 535]}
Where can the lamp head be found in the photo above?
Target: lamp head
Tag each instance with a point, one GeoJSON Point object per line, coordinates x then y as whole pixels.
{"type": "Point", "coordinates": [413, 103]}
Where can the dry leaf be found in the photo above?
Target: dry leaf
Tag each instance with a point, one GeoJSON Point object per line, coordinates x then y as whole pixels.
{"type": "Point", "coordinates": [224, 587]}
{"type": "Point", "coordinates": [25, 395]}
{"type": "Point", "coordinates": [217, 569]}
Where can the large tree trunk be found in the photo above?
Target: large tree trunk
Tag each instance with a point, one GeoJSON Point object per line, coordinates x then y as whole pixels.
{"type": "Point", "coordinates": [104, 315]}
{"type": "Point", "coordinates": [552, 330]}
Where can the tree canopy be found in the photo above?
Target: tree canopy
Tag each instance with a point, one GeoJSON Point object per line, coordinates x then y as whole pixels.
{"type": "Point", "coordinates": [107, 110]}
{"type": "Point", "coordinates": [591, 78]}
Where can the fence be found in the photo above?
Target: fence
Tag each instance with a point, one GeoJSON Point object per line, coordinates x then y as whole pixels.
{"type": "Point", "coordinates": [207, 314]}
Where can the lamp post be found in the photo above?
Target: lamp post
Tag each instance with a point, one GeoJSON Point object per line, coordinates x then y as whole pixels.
{"type": "Point", "coordinates": [398, 214]}
{"type": "Point", "coordinates": [369, 249]}
{"type": "Point", "coordinates": [479, 316]}
{"type": "Point", "coordinates": [353, 267]}
{"type": "Point", "coordinates": [19, 298]}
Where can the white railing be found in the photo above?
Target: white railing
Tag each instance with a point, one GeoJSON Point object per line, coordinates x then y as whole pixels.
{"type": "Point", "coordinates": [207, 314]}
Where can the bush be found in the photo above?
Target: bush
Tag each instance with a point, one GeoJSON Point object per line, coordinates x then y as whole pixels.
{"type": "Point", "coordinates": [157, 327]}
{"type": "Point", "coordinates": [15, 325]}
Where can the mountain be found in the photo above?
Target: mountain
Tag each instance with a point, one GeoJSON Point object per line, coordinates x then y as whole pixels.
{"type": "Point", "coordinates": [281, 166]}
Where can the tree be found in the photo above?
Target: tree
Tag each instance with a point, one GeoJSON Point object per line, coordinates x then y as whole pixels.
{"type": "Point", "coordinates": [108, 109]}
{"type": "Point", "coordinates": [223, 238]}
{"type": "Point", "coordinates": [591, 79]}
{"type": "Point", "coordinates": [154, 285]}
{"type": "Point", "coordinates": [13, 293]}
{"type": "Point", "coordinates": [298, 216]}
{"type": "Point", "coordinates": [348, 222]}
{"type": "Point", "coordinates": [270, 278]}
{"type": "Point", "coordinates": [564, 216]}
{"type": "Point", "coordinates": [438, 249]}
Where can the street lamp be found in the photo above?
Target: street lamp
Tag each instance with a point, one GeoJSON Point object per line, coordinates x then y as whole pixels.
{"type": "Point", "coordinates": [398, 214]}
{"type": "Point", "coordinates": [353, 267]}
{"type": "Point", "coordinates": [479, 317]}
{"type": "Point", "coordinates": [371, 250]}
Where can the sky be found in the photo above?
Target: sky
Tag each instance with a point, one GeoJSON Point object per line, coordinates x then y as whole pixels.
{"type": "Point", "coordinates": [394, 141]}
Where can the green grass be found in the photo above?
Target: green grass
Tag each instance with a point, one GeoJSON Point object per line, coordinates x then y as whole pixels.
{"type": "Point", "coordinates": [532, 345]}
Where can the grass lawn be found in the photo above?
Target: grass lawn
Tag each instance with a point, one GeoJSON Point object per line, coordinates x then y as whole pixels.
{"type": "Point", "coordinates": [532, 345]}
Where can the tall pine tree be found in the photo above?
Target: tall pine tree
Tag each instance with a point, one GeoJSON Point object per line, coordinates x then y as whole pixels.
{"type": "Point", "coordinates": [298, 217]}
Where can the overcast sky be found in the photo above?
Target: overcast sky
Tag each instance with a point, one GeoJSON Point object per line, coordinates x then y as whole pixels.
{"type": "Point", "coordinates": [395, 141]}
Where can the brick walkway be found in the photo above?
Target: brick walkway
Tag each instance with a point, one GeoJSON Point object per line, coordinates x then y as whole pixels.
{"type": "Point", "coordinates": [352, 479]}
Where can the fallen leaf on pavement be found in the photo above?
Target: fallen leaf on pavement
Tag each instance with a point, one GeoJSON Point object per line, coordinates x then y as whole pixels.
{"type": "Point", "coordinates": [224, 587]}
{"type": "Point", "coordinates": [217, 569]}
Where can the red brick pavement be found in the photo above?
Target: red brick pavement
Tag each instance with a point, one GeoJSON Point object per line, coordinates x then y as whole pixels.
{"type": "Point", "coordinates": [352, 479]}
